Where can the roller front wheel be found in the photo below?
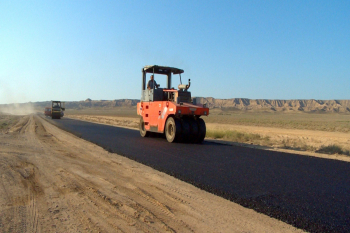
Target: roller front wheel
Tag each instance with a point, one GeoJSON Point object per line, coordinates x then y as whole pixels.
{"type": "Point", "coordinates": [172, 129]}
{"type": "Point", "coordinates": [143, 131]}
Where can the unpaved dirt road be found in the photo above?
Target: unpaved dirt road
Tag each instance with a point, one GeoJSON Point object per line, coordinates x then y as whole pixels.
{"type": "Point", "coordinates": [52, 181]}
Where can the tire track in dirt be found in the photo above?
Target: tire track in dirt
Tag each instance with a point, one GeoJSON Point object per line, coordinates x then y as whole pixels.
{"type": "Point", "coordinates": [8, 212]}
{"type": "Point", "coordinates": [74, 183]}
{"type": "Point", "coordinates": [24, 128]}
{"type": "Point", "coordinates": [162, 208]}
{"type": "Point", "coordinates": [20, 209]}
{"type": "Point", "coordinates": [134, 213]}
{"type": "Point", "coordinates": [171, 195]}
{"type": "Point", "coordinates": [22, 186]}
{"type": "Point", "coordinates": [131, 212]}
{"type": "Point", "coordinates": [19, 125]}
{"type": "Point", "coordinates": [30, 181]}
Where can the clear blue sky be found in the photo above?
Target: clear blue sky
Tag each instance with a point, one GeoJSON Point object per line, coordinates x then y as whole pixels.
{"type": "Point", "coordinates": [73, 50]}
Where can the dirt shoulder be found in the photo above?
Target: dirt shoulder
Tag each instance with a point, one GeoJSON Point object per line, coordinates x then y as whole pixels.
{"type": "Point", "coordinates": [279, 138]}
{"type": "Point", "coordinates": [52, 181]}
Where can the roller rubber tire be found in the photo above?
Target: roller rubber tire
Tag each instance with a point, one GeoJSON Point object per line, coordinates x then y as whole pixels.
{"type": "Point", "coordinates": [185, 130]}
{"type": "Point", "coordinates": [178, 130]}
{"type": "Point", "coordinates": [193, 130]}
{"type": "Point", "coordinates": [201, 130]}
{"type": "Point", "coordinates": [55, 116]}
{"type": "Point", "coordinates": [172, 129]}
{"type": "Point", "coordinates": [143, 131]}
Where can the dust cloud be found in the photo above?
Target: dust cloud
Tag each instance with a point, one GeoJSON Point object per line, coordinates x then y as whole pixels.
{"type": "Point", "coordinates": [8, 95]}
{"type": "Point", "coordinates": [17, 109]}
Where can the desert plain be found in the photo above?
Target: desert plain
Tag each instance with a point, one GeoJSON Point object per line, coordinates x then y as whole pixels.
{"type": "Point", "coordinates": [53, 181]}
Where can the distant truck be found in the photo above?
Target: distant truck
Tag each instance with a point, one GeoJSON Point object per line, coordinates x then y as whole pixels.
{"type": "Point", "coordinates": [58, 108]}
{"type": "Point", "coordinates": [47, 111]}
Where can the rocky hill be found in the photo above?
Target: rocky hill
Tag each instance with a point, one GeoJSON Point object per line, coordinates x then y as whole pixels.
{"type": "Point", "coordinates": [88, 103]}
{"type": "Point", "coordinates": [311, 105]}
{"type": "Point", "coordinates": [331, 106]}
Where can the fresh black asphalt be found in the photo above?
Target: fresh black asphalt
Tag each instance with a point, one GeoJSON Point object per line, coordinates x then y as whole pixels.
{"type": "Point", "coordinates": [307, 192]}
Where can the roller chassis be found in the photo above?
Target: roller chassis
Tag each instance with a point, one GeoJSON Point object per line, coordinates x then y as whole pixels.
{"type": "Point", "coordinates": [169, 111]}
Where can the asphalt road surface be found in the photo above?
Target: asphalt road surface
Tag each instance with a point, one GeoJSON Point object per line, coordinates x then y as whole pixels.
{"type": "Point", "coordinates": [307, 192]}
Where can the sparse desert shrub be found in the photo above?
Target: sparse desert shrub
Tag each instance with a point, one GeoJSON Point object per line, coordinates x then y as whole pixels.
{"type": "Point", "coordinates": [236, 136]}
{"type": "Point", "coordinates": [216, 134]}
{"type": "Point", "coordinates": [286, 143]}
{"type": "Point", "coordinates": [333, 149]}
{"type": "Point", "coordinates": [296, 145]}
{"type": "Point", "coordinates": [306, 147]}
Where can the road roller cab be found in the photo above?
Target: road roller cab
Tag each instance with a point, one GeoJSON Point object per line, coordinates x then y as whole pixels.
{"type": "Point", "coordinates": [167, 110]}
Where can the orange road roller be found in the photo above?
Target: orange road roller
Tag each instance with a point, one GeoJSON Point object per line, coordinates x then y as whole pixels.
{"type": "Point", "coordinates": [170, 111]}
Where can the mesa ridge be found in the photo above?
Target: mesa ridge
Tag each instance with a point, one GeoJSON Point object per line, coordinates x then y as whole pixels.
{"type": "Point", "coordinates": [240, 104]}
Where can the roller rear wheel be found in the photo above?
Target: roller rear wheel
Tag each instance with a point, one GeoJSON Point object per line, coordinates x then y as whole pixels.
{"type": "Point", "coordinates": [185, 130]}
{"type": "Point", "coordinates": [201, 130]}
{"type": "Point", "coordinates": [193, 130]}
{"type": "Point", "coordinates": [143, 131]}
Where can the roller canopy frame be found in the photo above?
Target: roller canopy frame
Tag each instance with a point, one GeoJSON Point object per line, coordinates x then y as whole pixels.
{"type": "Point", "coordinates": [162, 69]}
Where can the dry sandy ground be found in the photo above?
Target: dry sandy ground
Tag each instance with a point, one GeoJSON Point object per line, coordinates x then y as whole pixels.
{"type": "Point", "coordinates": [295, 137]}
{"type": "Point", "coordinates": [52, 181]}
{"type": "Point", "coordinates": [278, 136]}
